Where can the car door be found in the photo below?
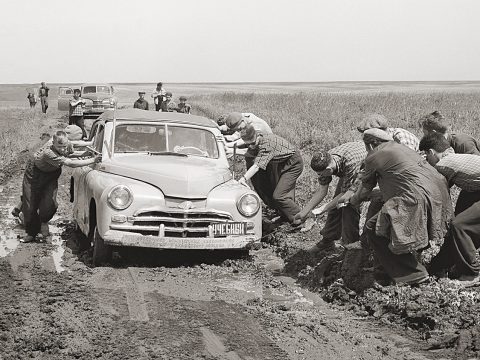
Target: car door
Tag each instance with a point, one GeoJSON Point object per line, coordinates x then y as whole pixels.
{"type": "Point", "coordinates": [64, 95]}
{"type": "Point", "coordinates": [83, 188]}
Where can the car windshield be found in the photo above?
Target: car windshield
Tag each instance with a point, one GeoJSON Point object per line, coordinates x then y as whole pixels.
{"type": "Point", "coordinates": [96, 89]}
{"type": "Point", "coordinates": [165, 139]}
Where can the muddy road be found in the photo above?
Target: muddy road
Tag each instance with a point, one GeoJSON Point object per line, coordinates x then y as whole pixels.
{"type": "Point", "coordinates": [168, 305]}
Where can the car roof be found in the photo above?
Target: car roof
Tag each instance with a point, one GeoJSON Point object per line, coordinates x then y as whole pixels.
{"type": "Point", "coordinates": [157, 116]}
{"type": "Point", "coordinates": [95, 84]}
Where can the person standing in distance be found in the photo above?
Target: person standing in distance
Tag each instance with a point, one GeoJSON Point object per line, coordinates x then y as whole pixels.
{"type": "Point", "coordinates": [43, 94]}
{"type": "Point", "coordinates": [158, 96]}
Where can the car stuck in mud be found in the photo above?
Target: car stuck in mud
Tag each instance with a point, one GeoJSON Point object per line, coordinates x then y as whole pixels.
{"type": "Point", "coordinates": [164, 182]}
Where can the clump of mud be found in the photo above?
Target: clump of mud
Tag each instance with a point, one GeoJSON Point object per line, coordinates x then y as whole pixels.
{"type": "Point", "coordinates": [443, 313]}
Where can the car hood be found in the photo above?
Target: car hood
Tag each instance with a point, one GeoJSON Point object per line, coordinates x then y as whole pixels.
{"type": "Point", "coordinates": [184, 177]}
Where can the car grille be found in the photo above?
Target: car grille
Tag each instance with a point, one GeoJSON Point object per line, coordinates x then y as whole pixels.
{"type": "Point", "coordinates": [174, 223]}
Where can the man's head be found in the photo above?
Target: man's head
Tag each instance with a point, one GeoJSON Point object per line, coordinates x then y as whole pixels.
{"type": "Point", "coordinates": [60, 142]}
{"type": "Point", "coordinates": [168, 95]}
{"type": "Point", "coordinates": [159, 85]}
{"type": "Point", "coordinates": [43, 83]}
{"type": "Point", "coordinates": [374, 137]}
{"type": "Point", "coordinates": [235, 121]}
{"type": "Point", "coordinates": [433, 123]}
{"type": "Point", "coordinates": [141, 94]}
{"type": "Point", "coordinates": [373, 121]}
{"type": "Point", "coordinates": [249, 135]}
{"type": "Point", "coordinates": [76, 93]}
{"type": "Point", "coordinates": [322, 163]}
{"type": "Point", "coordinates": [73, 132]}
{"type": "Point", "coordinates": [434, 146]}
{"type": "Point", "coordinates": [182, 99]}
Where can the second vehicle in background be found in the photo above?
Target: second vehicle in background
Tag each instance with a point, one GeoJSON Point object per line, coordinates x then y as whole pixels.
{"type": "Point", "coordinates": [99, 97]}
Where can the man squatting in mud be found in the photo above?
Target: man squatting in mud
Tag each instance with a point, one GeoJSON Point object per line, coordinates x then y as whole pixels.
{"type": "Point", "coordinates": [40, 182]}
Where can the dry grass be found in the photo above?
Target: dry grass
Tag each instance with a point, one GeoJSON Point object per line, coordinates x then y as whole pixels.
{"type": "Point", "coordinates": [20, 131]}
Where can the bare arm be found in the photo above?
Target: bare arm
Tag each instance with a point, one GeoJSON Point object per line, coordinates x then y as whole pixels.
{"type": "Point", "coordinates": [316, 199]}
{"type": "Point", "coordinates": [250, 172]}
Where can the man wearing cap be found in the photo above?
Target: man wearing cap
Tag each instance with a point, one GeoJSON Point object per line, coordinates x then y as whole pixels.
{"type": "Point", "coordinates": [76, 107]}
{"type": "Point", "coordinates": [43, 94]}
{"type": "Point", "coordinates": [158, 96]}
{"type": "Point", "coordinates": [183, 107]}
{"type": "Point", "coordinates": [399, 135]}
{"type": "Point", "coordinates": [343, 161]}
{"type": "Point", "coordinates": [463, 240]}
{"type": "Point", "coordinates": [237, 122]}
{"type": "Point", "coordinates": [141, 103]}
{"type": "Point", "coordinates": [416, 209]}
{"type": "Point", "coordinates": [282, 164]}
{"type": "Point", "coordinates": [461, 143]}
{"type": "Point", "coordinates": [40, 183]}
{"type": "Point", "coordinates": [169, 105]}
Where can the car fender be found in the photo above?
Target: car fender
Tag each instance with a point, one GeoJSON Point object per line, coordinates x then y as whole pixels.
{"type": "Point", "coordinates": [99, 185]}
{"type": "Point", "coordinates": [225, 196]}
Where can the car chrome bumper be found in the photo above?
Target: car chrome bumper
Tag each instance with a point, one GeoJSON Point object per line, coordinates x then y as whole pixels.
{"type": "Point", "coordinates": [120, 238]}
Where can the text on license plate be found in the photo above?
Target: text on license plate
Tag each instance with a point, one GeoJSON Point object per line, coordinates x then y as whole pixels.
{"type": "Point", "coordinates": [232, 228]}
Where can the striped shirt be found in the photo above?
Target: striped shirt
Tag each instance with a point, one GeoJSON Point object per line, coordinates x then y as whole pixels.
{"type": "Point", "coordinates": [272, 148]}
{"type": "Point", "coordinates": [462, 170]}
{"type": "Point", "coordinates": [349, 157]}
{"type": "Point", "coordinates": [404, 137]}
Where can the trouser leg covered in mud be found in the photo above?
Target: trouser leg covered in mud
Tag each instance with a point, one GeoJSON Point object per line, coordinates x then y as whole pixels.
{"type": "Point", "coordinates": [402, 268]}
{"type": "Point", "coordinates": [39, 197]}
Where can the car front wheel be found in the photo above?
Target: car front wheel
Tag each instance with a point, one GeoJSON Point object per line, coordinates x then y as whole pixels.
{"type": "Point", "coordinates": [102, 253]}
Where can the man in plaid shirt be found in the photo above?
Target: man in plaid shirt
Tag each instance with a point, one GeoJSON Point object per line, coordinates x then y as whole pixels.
{"type": "Point", "coordinates": [76, 107]}
{"type": "Point", "coordinates": [282, 164]}
{"type": "Point", "coordinates": [343, 161]}
{"type": "Point", "coordinates": [399, 135]}
{"type": "Point", "coordinates": [463, 240]}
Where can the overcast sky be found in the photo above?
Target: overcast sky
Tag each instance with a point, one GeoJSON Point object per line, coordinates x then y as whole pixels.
{"type": "Point", "coordinates": [236, 41]}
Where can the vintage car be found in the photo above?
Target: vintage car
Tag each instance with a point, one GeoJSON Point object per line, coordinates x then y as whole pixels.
{"type": "Point", "coordinates": [99, 97]}
{"type": "Point", "coordinates": [163, 182]}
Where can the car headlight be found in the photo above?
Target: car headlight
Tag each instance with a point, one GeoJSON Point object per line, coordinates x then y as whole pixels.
{"type": "Point", "coordinates": [110, 101]}
{"type": "Point", "coordinates": [88, 102]}
{"type": "Point", "coordinates": [120, 197]}
{"type": "Point", "coordinates": [248, 205]}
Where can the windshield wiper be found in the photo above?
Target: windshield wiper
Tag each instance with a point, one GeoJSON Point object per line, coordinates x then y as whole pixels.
{"type": "Point", "coordinates": [166, 153]}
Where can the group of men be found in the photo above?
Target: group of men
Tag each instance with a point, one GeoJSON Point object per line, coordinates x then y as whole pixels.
{"type": "Point", "coordinates": [405, 180]}
{"type": "Point", "coordinates": [163, 101]}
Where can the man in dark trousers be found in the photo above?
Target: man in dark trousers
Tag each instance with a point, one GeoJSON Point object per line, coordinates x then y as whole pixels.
{"type": "Point", "coordinates": [141, 103]}
{"type": "Point", "coordinates": [283, 165]}
{"type": "Point", "coordinates": [76, 106]}
{"type": "Point", "coordinates": [463, 240]}
{"type": "Point", "coordinates": [43, 94]}
{"type": "Point", "coordinates": [40, 183]}
{"type": "Point", "coordinates": [416, 209]}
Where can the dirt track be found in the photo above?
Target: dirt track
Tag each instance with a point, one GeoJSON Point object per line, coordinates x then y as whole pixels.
{"type": "Point", "coordinates": [170, 305]}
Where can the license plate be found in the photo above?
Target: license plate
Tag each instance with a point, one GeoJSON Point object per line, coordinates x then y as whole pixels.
{"type": "Point", "coordinates": [231, 228]}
